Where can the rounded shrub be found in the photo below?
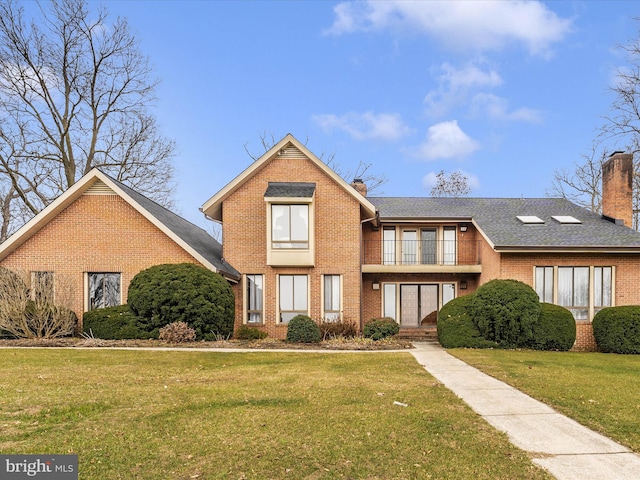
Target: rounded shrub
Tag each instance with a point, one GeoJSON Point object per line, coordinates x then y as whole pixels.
{"type": "Point", "coordinates": [379, 328]}
{"type": "Point", "coordinates": [183, 292]}
{"type": "Point", "coordinates": [302, 329]}
{"type": "Point", "coordinates": [617, 329]}
{"type": "Point", "coordinates": [555, 329]}
{"type": "Point", "coordinates": [505, 312]}
{"type": "Point", "coordinates": [456, 328]}
{"type": "Point", "coordinates": [113, 323]}
{"type": "Point", "coordinates": [250, 333]}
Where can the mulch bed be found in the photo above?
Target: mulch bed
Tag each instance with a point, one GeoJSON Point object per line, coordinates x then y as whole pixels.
{"type": "Point", "coordinates": [267, 344]}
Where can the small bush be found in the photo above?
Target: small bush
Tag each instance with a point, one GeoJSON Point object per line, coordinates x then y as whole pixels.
{"type": "Point", "coordinates": [337, 328]}
{"type": "Point", "coordinates": [456, 328]}
{"type": "Point", "coordinates": [555, 329]}
{"type": "Point", "coordinates": [302, 329]}
{"type": "Point", "coordinates": [177, 332]}
{"type": "Point", "coordinates": [184, 292]}
{"type": "Point", "coordinates": [505, 312]}
{"type": "Point", "coordinates": [250, 333]}
{"type": "Point", "coordinates": [114, 323]}
{"type": "Point", "coordinates": [379, 328]}
{"type": "Point", "coordinates": [617, 329]}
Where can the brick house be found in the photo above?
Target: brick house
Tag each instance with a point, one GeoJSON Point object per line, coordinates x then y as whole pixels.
{"type": "Point", "coordinates": [299, 239]}
{"type": "Point", "coordinates": [99, 234]}
{"type": "Point", "coordinates": [306, 241]}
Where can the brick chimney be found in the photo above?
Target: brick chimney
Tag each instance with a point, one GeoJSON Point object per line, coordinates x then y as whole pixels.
{"type": "Point", "coordinates": [617, 183]}
{"type": "Point", "coordinates": [360, 186]}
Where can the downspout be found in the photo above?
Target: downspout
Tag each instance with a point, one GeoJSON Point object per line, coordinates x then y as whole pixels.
{"type": "Point", "coordinates": [362, 222]}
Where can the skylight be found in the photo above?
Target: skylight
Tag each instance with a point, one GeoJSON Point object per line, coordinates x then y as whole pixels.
{"type": "Point", "coordinates": [566, 219]}
{"type": "Point", "coordinates": [529, 219]}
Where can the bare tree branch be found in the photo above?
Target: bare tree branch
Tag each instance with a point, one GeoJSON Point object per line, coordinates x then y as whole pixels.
{"type": "Point", "coordinates": [451, 184]}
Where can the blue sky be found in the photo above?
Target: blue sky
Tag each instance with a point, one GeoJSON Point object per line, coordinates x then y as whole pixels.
{"type": "Point", "coordinates": [504, 91]}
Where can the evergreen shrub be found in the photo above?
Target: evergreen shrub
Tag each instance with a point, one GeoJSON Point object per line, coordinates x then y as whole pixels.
{"type": "Point", "coordinates": [456, 328]}
{"type": "Point", "coordinates": [505, 312]}
{"type": "Point", "coordinates": [617, 329]}
{"type": "Point", "coordinates": [379, 328]}
{"type": "Point", "coordinates": [113, 323]}
{"type": "Point", "coordinates": [554, 330]}
{"type": "Point", "coordinates": [184, 292]}
{"type": "Point", "coordinates": [250, 333]}
{"type": "Point", "coordinates": [302, 329]}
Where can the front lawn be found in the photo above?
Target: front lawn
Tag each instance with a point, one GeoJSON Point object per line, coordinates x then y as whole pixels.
{"type": "Point", "coordinates": [601, 391]}
{"type": "Point", "coordinates": [184, 415]}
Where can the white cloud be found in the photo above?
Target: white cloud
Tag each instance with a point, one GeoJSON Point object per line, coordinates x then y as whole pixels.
{"type": "Point", "coordinates": [445, 140]}
{"type": "Point", "coordinates": [496, 108]}
{"type": "Point", "coordinates": [431, 179]}
{"type": "Point", "coordinates": [365, 126]}
{"type": "Point", "coordinates": [455, 84]}
{"type": "Point", "coordinates": [462, 25]}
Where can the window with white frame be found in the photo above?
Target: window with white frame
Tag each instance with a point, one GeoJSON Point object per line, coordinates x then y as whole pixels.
{"type": "Point", "coordinates": [389, 245]}
{"type": "Point", "coordinates": [413, 305]}
{"type": "Point", "coordinates": [544, 283]}
{"type": "Point", "coordinates": [290, 226]}
{"type": "Point", "coordinates": [255, 289]}
{"type": "Point", "coordinates": [602, 287]}
{"type": "Point", "coordinates": [332, 298]}
{"type": "Point", "coordinates": [573, 290]}
{"type": "Point", "coordinates": [389, 300]}
{"type": "Point", "coordinates": [103, 290]}
{"type": "Point", "coordinates": [293, 295]}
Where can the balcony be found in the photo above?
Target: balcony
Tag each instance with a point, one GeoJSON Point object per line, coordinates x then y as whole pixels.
{"type": "Point", "coordinates": [421, 256]}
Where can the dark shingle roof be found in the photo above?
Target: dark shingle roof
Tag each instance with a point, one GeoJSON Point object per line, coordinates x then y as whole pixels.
{"type": "Point", "coordinates": [290, 189]}
{"type": "Point", "coordinates": [496, 217]}
{"type": "Point", "coordinates": [194, 236]}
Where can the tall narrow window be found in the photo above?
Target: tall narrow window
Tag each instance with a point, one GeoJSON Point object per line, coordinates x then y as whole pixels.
{"type": "Point", "coordinates": [293, 296]}
{"type": "Point", "coordinates": [573, 290]}
{"type": "Point", "coordinates": [544, 284]}
{"type": "Point", "coordinates": [389, 246]}
{"type": "Point", "coordinates": [449, 246]}
{"type": "Point", "coordinates": [602, 287]}
{"type": "Point", "coordinates": [448, 292]}
{"type": "Point", "coordinates": [104, 290]}
{"type": "Point", "coordinates": [389, 300]}
{"type": "Point", "coordinates": [332, 297]}
{"type": "Point", "coordinates": [409, 247]}
{"type": "Point", "coordinates": [254, 298]}
{"type": "Point", "coordinates": [290, 226]}
{"type": "Point", "coordinates": [428, 246]}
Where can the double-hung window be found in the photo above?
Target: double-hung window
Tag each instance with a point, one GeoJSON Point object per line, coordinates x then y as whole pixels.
{"type": "Point", "coordinates": [104, 290]}
{"type": "Point", "coordinates": [254, 301]}
{"type": "Point", "coordinates": [293, 295]}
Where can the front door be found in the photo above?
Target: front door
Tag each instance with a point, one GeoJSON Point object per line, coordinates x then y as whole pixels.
{"type": "Point", "coordinates": [418, 305]}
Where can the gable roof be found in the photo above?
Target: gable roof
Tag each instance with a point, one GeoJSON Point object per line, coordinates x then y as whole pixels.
{"type": "Point", "coordinates": [212, 208]}
{"type": "Point", "coordinates": [193, 239]}
{"type": "Point", "coordinates": [496, 219]}
{"type": "Point", "coordinates": [290, 190]}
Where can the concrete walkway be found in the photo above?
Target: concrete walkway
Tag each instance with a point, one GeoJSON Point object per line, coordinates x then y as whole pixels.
{"type": "Point", "coordinates": [558, 444]}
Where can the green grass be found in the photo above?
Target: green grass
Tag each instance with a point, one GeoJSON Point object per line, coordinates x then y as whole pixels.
{"type": "Point", "coordinates": [601, 391]}
{"type": "Point", "coordinates": [182, 415]}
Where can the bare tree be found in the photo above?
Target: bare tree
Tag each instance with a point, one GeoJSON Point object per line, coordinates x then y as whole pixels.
{"type": "Point", "coordinates": [451, 184]}
{"type": "Point", "coordinates": [362, 171]}
{"type": "Point", "coordinates": [75, 93]}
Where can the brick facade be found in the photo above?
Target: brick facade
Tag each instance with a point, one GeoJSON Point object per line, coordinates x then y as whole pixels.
{"type": "Point", "coordinates": [96, 233]}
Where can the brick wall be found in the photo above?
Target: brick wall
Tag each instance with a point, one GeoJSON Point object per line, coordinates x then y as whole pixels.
{"type": "Point", "coordinates": [337, 238]}
{"type": "Point", "coordinates": [96, 233]}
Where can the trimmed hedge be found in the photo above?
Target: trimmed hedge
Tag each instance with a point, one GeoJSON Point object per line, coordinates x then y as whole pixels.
{"type": "Point", "coordinates": [302, 329]}
{"type": "Point", "coordinates": [554, 330]}
{"type": "Point", "coordinates": [456, 328]}
{"type": "Point", "coordinates": [617, 329]}
{"type": "Point", "coordinates": [114, 323]}
{"type": "Point", "coordinates": [250, 333]}
{"type": "Point", "coordinates": [379, 328]}
{"type": "Point", "coordinates": [183, 292]}
{"type": "Point", "coordinates": [505, 312]}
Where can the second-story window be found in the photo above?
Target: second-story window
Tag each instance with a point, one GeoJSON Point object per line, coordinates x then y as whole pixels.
{"type": "Point", "coordinates": [290, 226]}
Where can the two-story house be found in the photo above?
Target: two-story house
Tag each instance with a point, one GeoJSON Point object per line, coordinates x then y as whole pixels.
{"type": "Point", "coordinates": [306, 241]}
